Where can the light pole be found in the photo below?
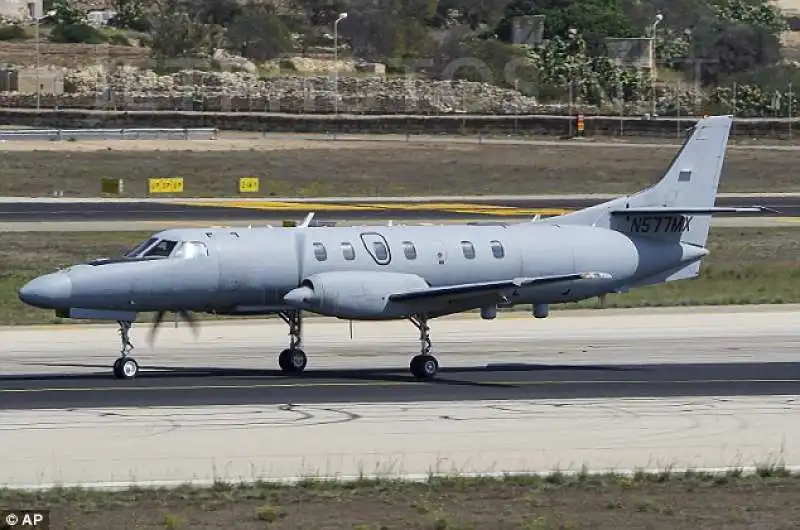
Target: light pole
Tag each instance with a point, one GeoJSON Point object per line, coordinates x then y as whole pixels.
{"type": "Point", "coordinates": [341, 17]}
{"type": "Point", "coordinates": [37, 18]}
{"type": "Point", "coordinates": [654, 70]}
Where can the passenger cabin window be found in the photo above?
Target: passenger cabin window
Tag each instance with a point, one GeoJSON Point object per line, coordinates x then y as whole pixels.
{"type": "Point", "coordinates": [319, 252]}
{"type": "Point", "coordinates": [348, 251]}
{"type": "Point", "coordinates": [468, 249]}
{"type": "Point", "coordinates": [497, 249]}
{"type": "Point", "coordinates": [381, 252]}
{"type": "Point", "coordinates": [190, 250]}
{"type": "Point", "coordinates": [409, 250]}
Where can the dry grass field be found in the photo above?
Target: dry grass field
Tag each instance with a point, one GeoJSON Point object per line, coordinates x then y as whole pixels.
{"type": "Point", "coordinates": [690, 501]}
{"type": "Point", "coordinates": [309, 168]}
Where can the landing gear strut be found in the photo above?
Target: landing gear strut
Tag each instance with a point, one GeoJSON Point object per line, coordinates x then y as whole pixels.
{"type": "Point", "coordinates": [293, 360]}
{"type": "Point", "coordinates": [424, 365]}
{"type": "Point", "coordinates": [125, 367]}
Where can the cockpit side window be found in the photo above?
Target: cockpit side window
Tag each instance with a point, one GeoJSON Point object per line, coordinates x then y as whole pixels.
{"type": "Point", "coordinates": [190, 250]}
{"type": "Point", "coordinates": [139, 248]}
{"type": "Point", "coordinates": [162, 249]}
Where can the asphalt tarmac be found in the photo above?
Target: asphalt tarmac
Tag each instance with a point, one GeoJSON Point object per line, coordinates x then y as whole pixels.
{"type": "Point", "coordinates": [570, 355]}
{"type": "Point", "coordinates": [355, 210]}
{"type": "Point", "coordinates": [210, 386]}
{"type": "Point", "coordinates": [355, 413]}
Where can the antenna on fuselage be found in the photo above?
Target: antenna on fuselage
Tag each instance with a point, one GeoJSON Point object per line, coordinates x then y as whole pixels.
{"type": "Point", "coordinates": [307, 221]}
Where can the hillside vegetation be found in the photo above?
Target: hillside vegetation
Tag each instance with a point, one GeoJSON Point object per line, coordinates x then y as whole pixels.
{"type": "Point", "coordinates": [704, 48]}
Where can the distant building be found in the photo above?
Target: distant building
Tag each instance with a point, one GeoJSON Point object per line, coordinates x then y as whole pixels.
{"type": "Point", "coordinates": [20, 10]}
{"type": "Point", "coordinates": [51, 81]}
{"type": "Point", "coordinates": [100, 17]}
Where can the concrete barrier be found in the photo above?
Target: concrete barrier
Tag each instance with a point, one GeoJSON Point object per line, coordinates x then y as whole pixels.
{"type": "Point", "coordinates": [773, 128]}
{"type": "Point", "coordinates": [109, 134]}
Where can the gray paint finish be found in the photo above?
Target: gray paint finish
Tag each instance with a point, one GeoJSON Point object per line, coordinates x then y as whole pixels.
{"type": "Point", "coordinates": [351, 272]}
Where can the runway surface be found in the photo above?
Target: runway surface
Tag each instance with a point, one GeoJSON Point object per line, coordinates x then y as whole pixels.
{"type": "Point", "coordinates": [111, 447]}
{"type": "Point", "coordinates": [356, 412]}
{"type": "Point", "coordinates": [329, 210]}
{"type": "Point", "coordinates": [586, 354]}
{"type": "Point", "coordinates": [155, 226]}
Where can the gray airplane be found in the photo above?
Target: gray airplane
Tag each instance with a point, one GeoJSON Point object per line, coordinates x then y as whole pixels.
{"type": "Point", "coordinates": [416, 273]}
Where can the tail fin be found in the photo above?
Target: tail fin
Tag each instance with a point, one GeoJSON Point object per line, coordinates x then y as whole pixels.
{"type": "Point", "coordinates": [680, 205]}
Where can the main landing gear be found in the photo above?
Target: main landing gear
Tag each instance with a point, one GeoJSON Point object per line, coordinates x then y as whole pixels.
{"type": "Point", "coordinates": [424, 365]}
{"type": "Point", "coordinates": [293, 359]}
{"type": "Point", "coordinates": [125, 367]}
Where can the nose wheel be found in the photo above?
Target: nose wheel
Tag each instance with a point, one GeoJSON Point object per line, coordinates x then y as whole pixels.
{"type": "Point", "coordinates": [125, 367]}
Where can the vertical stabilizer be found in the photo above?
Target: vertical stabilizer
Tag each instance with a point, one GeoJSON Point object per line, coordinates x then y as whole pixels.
{"type": "Point", "coordinates": [686, 194]}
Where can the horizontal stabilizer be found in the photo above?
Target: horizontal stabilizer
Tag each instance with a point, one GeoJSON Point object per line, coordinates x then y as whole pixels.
{"type": "Point", "coordinates": [487, 288]}
{"type": "Point", "coordinates": [666, 210]}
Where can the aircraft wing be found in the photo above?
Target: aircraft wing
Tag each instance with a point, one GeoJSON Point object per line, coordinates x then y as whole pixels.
{"type": "Point", "coordinates": [474, 290]}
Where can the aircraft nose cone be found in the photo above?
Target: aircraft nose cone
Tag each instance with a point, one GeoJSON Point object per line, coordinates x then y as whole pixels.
{"type": "Point", "coordinates": [51, 291]}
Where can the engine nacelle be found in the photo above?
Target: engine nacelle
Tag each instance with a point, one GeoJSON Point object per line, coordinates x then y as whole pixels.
{"type": "Point", "coordinates": [357, 295]}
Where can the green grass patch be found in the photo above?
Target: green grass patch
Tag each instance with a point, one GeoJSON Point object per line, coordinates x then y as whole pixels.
{"type": "Point", "coordinates": [661, 500]}
{"type": "Point", "coordinates": [746, 266]}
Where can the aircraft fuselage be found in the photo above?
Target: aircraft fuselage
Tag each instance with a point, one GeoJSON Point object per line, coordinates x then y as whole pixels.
{"type": "Point", "coordinates": [250, 270]}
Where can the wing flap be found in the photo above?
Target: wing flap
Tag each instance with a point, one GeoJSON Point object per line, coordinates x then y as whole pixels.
{"type": "Point", "coordinates": [486, 288]}
{"type": "Point", "coordinates": [666, 210]}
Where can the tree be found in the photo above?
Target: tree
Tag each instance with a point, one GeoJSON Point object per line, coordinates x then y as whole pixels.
{"type": "Point", "coordinates": [394, 30]}
{"type": "Point", "coordinates": [257, 32]}
{"type": "Point", "coordinates": [130, 15]}
{"type": "Point", "coordinates": [723, 48]}
{"type": "Point", "coordinates": [67, 13]}
{"type": "Point", "coordinates": [594, 19]}
{"type": "Point", "coordinates": [179, 37]}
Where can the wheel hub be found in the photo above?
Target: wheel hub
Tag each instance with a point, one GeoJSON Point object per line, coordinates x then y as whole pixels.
{"type": "Point", "coordinates": [129, 368]}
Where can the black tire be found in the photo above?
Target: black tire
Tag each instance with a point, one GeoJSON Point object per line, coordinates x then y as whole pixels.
{"type": "Point", "coordinates": [126, 368]}
{"type": "Point", "coordinates": [292, 361]}
{"type": "Point", "coordinates": [424, 366]}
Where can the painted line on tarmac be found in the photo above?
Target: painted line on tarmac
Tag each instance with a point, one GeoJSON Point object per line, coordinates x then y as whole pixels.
{"type": "Point", "coordinates": [380, 384]}
{"type": "Point", "coordinates": [454, 207]}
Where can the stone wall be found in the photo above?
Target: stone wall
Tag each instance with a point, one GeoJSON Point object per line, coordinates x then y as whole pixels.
{"type": "Point", "coordinates": [398, 124]}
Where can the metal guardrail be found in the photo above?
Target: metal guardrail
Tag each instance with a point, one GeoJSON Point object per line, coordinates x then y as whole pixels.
{"type": "Point", "coordinates": [109, 134]}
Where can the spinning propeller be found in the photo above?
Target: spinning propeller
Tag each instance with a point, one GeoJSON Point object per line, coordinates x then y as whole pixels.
{"type": "Point", "coordinates": [160, 318]}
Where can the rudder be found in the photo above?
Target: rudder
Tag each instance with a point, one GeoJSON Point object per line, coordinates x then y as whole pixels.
{"type": "Point", "coordinates": [679, 206]}
{"type": "Point", "coordinates": [690, 183]}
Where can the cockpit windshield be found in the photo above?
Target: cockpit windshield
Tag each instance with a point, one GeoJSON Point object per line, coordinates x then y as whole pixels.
{"type": "Point", "coordinates": [155, 248]}
{"type": "Point", "coordinates": [141, 247]}
{"type": "Point", "coordinates": [162, 249]}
